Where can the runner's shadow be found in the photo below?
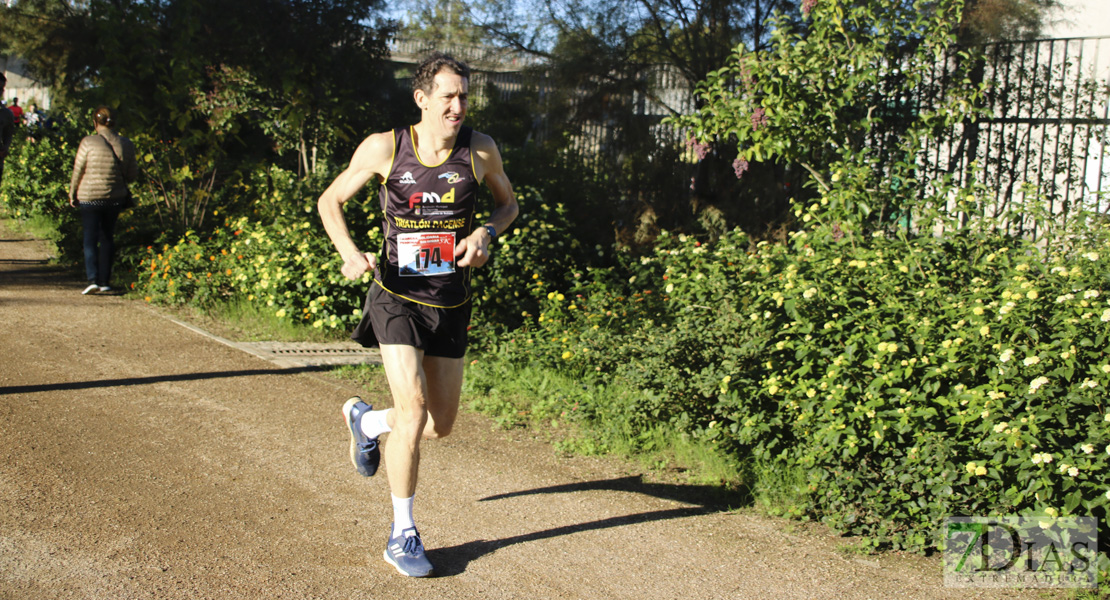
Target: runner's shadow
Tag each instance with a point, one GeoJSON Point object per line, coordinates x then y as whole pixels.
{"type": "Point", "coordinates": [704, 500]}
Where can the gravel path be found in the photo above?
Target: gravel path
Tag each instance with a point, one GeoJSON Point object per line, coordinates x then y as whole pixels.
{"type": "Point", "coordinates": [141, 459]}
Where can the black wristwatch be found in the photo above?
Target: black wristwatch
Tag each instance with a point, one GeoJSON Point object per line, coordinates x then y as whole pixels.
{"type": "Point", "coordinates": [492, 232]}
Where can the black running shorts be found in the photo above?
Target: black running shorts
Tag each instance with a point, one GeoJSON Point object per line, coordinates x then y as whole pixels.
{"type": "Point", "coordinates": [389, 319]}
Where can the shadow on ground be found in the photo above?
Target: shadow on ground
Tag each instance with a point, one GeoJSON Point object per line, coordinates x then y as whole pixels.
{"type": "Point", "coordinates": [702, 500]}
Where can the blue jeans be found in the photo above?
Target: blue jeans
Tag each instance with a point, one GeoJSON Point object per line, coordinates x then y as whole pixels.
{"type": "Point", "coordinates": [99, 224]}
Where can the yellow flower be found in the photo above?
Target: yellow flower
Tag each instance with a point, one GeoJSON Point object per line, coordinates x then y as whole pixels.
{"type": "Point", "coordinates": [980, 470]}
{"type": "Point", "coordinates": [567, 355]}
{"type": "Point", "coordinates": [985, 330]}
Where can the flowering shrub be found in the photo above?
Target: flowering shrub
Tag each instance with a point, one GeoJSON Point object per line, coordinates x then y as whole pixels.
{"type": "Point", "coordinates": [36, 182]}
{"type": "Point", "coordinates": [280, 258]}
{"type": "Point", "coordinates": [282, 261]}
{"type": "Point", "coordinates": [541, 246]}
{"type": "Point", "coordinates": [908, 379]}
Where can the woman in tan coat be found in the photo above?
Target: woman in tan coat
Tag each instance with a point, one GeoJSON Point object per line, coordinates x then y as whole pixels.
{"type": "Point", "coordinates": [104, 166]}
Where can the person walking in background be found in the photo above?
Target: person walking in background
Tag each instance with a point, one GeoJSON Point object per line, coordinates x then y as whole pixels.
{"type": "Point", "coordinates": [105, 164]}
{"type": "Point", "coordinates": [418, 306]}
{"type": "Point", "coordinates": [7, 128]}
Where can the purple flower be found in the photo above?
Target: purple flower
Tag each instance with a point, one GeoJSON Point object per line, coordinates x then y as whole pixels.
{"type": "Point", "coordinates": [739, 166]}
{"type": "Point", "coordinates": [746, 74]}
{"type": "Point", "coordinates": [700, 149]}
{"type": "Point", "coordinates": [808, 6]}
{"type": "Point", "coordinates": [759, 119]}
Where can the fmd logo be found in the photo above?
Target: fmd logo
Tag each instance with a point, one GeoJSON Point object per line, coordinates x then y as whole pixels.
{"type": "Point", "coordinates": [421, 198]}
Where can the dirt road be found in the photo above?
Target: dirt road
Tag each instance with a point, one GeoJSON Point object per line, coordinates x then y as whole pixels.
{"type": "Point", "coordinates": [140, 459]}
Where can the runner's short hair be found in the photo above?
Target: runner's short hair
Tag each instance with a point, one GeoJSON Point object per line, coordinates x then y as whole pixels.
{"type": "Point", "coordinates": [424, 78]}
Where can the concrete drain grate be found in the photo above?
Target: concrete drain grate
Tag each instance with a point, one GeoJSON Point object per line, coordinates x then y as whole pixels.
{"type": "Point", "coordinates": [308, 354]}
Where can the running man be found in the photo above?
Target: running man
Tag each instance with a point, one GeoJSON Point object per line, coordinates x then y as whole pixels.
{"type": "Point", "coordinates": [418, 306]}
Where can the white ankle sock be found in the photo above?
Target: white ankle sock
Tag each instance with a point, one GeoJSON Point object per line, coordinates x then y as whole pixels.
{"type": "Point", "coordinates": [374, 423]}
{"type": "Point", "coordinates": [402, 514]}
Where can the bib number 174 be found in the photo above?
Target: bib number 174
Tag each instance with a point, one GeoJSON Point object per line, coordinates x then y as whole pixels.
{"type": "Point", "coordinates": [422, 254]}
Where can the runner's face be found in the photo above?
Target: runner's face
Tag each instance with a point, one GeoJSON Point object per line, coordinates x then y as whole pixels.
{"type": "Point", "coordinates": [446, 106]}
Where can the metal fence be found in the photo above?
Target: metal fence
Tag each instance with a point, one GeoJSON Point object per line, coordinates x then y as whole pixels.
{"type": "Point", "coordinates": [1044, 138]}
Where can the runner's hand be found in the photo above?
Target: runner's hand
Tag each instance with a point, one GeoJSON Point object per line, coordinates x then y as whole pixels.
{"type": "Point", "coordinates": [473, 252]}
{"type": "Point", "coordinates": [357, 264]}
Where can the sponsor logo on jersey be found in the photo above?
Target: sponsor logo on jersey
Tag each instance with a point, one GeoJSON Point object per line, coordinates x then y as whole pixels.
{"type": "Point", "coordinates": [451, 177]}
{"type": "Point", "coordinates": [407, 178]}
{"type": "Point", "coordinates": [423, 198]}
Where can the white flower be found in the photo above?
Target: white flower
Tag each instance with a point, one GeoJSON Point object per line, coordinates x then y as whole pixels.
{"type": "Point", "coordinates": [1091, 256]}
{"type": "Point", "coordinates": [1031, 360]}
{"type": "Point", "coordinates": [1106, 315]}
{"type": "Point", "coordinates": [1089, 383]}
{"type": "Point", "coordinates": [999, 428]}
{"type": "Point", "coordinates": [1087, 448]}
{"type": "Point", "coordinates": [1037, 383]}
{"type": "Point", "coordinates": [1064, 298]}
{"type": "Point", "coordinates": [1108, 494]}
{"type": "Point", "coordinates": [1073, 471]}
{"type": "Point", "coordinates": [1006, 355]}
{"type": "Point", "coordinates": [1090, 294]}
{"type": "Point", "coordinates": [811, 292]}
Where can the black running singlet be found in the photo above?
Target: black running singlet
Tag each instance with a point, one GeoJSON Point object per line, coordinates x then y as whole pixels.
{"type": "Point", "coordinates": [428, 210]}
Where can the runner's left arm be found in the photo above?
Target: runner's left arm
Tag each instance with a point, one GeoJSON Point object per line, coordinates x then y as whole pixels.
{"type": "Point", "coordinates": [474, 249]}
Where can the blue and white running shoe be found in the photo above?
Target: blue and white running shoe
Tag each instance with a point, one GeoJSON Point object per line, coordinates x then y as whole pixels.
{"type": "Point", "coordinates": [365, 454]}
{"type": "Point", "coordinates": [406, 553]}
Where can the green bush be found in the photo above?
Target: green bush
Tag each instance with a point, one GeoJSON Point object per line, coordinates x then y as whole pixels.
{"type": "Point", "coordinates": [909, 379]}
{"type": "Point", "coordinates": [36, 184]}
{"type": "Point", "coordinates": [279, 259]}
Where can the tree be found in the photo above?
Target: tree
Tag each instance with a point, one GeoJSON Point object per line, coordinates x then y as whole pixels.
{"type": "Point", "coordinates": [821, 98]}
{"type": "Point", "coordinates": [444, 22]}
{"type": "Point", "coordinates": [208, 96]}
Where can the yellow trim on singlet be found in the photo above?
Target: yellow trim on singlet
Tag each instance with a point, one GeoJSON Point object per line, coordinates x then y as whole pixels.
{"type": "Point", "coordinates": [381, 285]}
{"type": "Point", "coordinates": [416, 152]}
{"type": "Point", "coordinates": [393, 158]}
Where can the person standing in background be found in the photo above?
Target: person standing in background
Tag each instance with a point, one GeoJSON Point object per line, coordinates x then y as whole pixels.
{"type": "Point", "coordinates": [105, 164]}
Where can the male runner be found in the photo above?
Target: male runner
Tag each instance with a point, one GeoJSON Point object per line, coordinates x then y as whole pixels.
{"type": "Point", "coordinates": [418, 306]}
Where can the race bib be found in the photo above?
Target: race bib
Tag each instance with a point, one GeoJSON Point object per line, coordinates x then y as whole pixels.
{"type": "Point", "coordinates": [426, 253]}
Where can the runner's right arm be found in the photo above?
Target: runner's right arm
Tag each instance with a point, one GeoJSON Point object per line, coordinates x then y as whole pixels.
{"type": "Point", "coordinates": [370, 161]}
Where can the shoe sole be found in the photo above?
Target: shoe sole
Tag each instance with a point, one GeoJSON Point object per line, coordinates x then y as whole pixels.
{"type": "Point", "coordinates": [354, 450]}
{"type": "Point", "coordinates": [351, 428]}
{"type": "Point", "coordinates": [389, 560]}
